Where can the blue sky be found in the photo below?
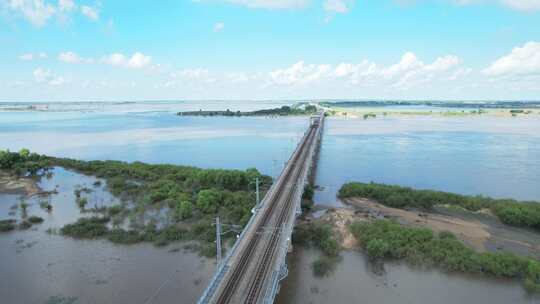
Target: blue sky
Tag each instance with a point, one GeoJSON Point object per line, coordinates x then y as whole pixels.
{"type": "Point", "coordinates": [269, 49]}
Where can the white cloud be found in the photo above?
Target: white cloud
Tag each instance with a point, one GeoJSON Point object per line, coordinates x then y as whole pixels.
{"type": "Point", "coordinates": [69, 57]}
{"type": "Point", "coordinates": [523, 60]}
{"type": "Point", "coordinates": [66, 5]}
{"type": "Point", "coordinates": [523, 5]}
{"type": "Point", "coordinates": [39, 12]}
{"type": "Point", "coordinates": [30, 56]}
{"type": "Point", "coordinates": [90, 12]}
{"type": "Point", "coordinates": [139, 60]}
{"type": "Point", "coordinates": [219, 26]}
{"type": "Point", "coordinates": [36, 12]}
{"type": "Point", "coordinates": [47, 77]}
{"type": "Point", "coordinates": [408, 72]}
{"type": "Point", "coordinates": [272, 4]}
{"type": "Point", "coordinates": [300, 74]}
{"type": "Point", "coordinates": [26, 57]}
{"type": "Point", "coordinates": [136, 61]}
{"type": "Point", "coordinates": [337, 6]}
{"type": "Point", "coordinates": [520, 5]}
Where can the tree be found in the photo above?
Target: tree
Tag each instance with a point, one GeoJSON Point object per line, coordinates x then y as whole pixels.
{"type": "Point", "coordinates": [184, 210]}
{"type": "Point", "coordinates": [208, 200]}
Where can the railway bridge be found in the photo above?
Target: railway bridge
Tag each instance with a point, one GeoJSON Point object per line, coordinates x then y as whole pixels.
{"type": "Point", "coordinates": [253, 268]}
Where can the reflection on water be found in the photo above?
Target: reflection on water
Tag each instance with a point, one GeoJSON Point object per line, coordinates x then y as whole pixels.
{"type": "Point", "coordinates": [353, 281]}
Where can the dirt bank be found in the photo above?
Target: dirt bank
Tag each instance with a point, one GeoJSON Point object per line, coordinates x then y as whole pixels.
{"type": "Point", "coordinates": [11, 184]}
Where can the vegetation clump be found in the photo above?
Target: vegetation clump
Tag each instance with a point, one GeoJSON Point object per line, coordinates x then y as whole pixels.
{"type": "Point", "coordinates": [384, 239]}
{"type": "Point", "coordinates": [7, 225]}
{"type": "Point", "coordinates": [35, 219]}
{"type": "Point", "coordinates": [511, 212]}
{"type": "Point", "coordinates": [322, 237]}
{"type": "Point", "coordinates": [24, 163]}
{"type": "Point", "coordinates": [307, 198]}
{"type": "Point", "coordinates": [25, 225]}
{"type": "Point", "coordinates": [87, 228]}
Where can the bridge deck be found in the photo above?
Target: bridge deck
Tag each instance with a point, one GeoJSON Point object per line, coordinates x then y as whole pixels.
{"type": "Point", "coordinates": [251, 271]}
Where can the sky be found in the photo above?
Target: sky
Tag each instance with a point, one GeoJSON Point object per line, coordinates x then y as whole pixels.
{"type": "Point", "coordinates": [71, 50]}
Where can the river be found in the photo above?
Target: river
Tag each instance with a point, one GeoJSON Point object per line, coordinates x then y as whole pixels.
{"type": "Point", "coordinates": [494, 156]}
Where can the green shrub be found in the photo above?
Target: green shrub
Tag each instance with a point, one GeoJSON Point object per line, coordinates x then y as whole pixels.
{"type": "Point", "coordinates": [115, 210]}
{"type": "Point", "coordinates": [316, 235]}
{"type": "Point", "coordinates": [92, 227]}
{"type": "Point", "coordinates": [532, 279]}
{"type": "Point", "coordinates": [184, 210]}
{"type": "Point", "coordinates": [7, 225]}
{"type": "Point", "coordinates": [208, 200]}
{"type": "Point", "coordinates": [377, 248]}
{"type": "Point", "coordinates": [82, 202]}
{"type": "Point", "coordinates": [35, 219]}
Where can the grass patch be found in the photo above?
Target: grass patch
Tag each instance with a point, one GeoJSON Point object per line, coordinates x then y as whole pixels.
{"type": "Point", "coordinates": [384, 239]}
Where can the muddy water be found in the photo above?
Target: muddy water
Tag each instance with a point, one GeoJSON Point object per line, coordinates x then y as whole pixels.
{"type": "Point", "coordinates": [38, 266]}
{"type": "Point", "coordinates": [355, 281]}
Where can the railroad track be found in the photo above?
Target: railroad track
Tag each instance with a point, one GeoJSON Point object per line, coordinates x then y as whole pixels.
{"type": "Point", "coordinates": [272, 246]}
{"type": "Point", "coordinates": [269, 250]}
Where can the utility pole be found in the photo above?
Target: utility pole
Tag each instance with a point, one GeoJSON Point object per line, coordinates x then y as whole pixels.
{"type": "Point", "coordinates": [257, 191]}
{"type": "Point", "coordinates": [218, 243]}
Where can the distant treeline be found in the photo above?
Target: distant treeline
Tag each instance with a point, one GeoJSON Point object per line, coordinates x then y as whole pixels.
{"type": "Point", "coordinates": [445, 104]}
{"type": "Point", "coordinates": [509, 211]}
{"type": "Point", "coordinates": [282, 111]}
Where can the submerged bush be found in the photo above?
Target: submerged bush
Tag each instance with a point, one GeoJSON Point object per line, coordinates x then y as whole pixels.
{"type": "Point", "coordinates": [324, 266]}
{"type": "Point", "coordinates": [35, 219]}
{"type": "Point", "coordinates": [92, 227]}
{"type": "Point", "coordinates": [25, 225]}
{"type": "Point", "coordinates": [121, 236]}
{"type": "Point", "coordinates": [316, 235]}
{"type": "Point", "coordinates": [7, 225]}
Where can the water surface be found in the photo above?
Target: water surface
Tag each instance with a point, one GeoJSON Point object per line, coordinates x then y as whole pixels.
{"type": "Point", "coordinates": [486, 155]}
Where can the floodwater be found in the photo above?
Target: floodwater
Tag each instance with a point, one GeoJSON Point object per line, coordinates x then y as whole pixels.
{"type": "Point", "coordinates": [38, 266]}
{"type": "Point", "coordinates": [493, 156]}
{"type": "Point", "coordinates": [354, 281]}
